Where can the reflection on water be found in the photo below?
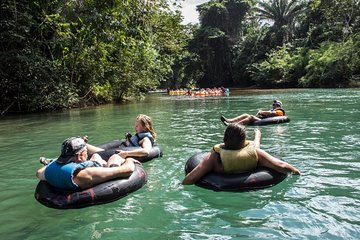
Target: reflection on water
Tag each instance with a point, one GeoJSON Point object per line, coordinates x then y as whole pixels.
{"type": "Point", "coordinates": [322, 140]}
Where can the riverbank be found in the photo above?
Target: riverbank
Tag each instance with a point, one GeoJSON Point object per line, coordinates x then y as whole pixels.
{"type": "Point", "coordinates": [83, 104]}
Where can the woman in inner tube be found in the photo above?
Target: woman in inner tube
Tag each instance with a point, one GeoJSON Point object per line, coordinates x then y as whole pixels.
{"type": "Point", "coordinates": [245, 119]}
{"type": "Point", "coordinates": [237, 155]}
{"type": "Point", "coordinates": [144, 138]}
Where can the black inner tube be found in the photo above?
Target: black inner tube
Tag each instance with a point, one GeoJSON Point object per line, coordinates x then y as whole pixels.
{"type": "Point", "coordinates": [271, 120]}
{"type": "Point", "coordinates": [102, 193]}
{"type": "Point", "coordinates": [257, 179]}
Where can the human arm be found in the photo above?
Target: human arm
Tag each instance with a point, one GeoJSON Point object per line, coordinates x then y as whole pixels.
{"type": "Point", "coordinates": [140, 152]}
{"type": "Point", "coordinates": [211, 162]}
{"type": "Point", "coordinates": [92, 176]}
{"type": "Point", "coordinates": [40, 173]}
{"type": "Point", "coordinates": [257, 138]}
{"type": "Point", "coordinates": [266, 160]}
{"type": "Point", "coordinates": [93, 149]}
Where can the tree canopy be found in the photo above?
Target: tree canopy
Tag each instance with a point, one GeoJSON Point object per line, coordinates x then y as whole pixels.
{"type": "Point", "coordinates": [277, 43]}
{"type": "Point", "coordinates": [60, 53]}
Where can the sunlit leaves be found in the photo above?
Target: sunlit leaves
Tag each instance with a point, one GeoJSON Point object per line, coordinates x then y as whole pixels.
{"type": "Point", "coordinates": [87, 51]}
{"type": "Point", "coordinates": [333, 64]}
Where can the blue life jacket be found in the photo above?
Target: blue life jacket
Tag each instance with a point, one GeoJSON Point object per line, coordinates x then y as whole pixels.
{"type": "Point", "coordinates": [134, 140]}
{"type": "Point", "coordinates": [61, 175]}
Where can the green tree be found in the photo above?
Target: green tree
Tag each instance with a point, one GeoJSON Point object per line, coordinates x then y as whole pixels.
{"type": "Point", "coordinates": [31, 78]}
{"type": "Point", "coordinates": [282, 68]}
{"type": "Point", "coordinates": [334, 65]}
{"type": "Point", "coordinates": [252, 48]}
{"type": "Point", "coordinates": [283, 14]}
{"type": "Point", "coordinates": [330, 21]}
{"type": "Point", "coordinates": [61, 53]}
{"type": "Point", "coordinates": [220, 23]}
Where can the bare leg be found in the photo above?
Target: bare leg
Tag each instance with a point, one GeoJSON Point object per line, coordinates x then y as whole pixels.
{"type": "Point", "coordinates": [115, 160]}
{"type": "Point", "coordinates": [243, 119]}
{"type": "Point", "coordinates": [247, 120]}
{"type": "Point", "coordinates": [238, 118]}
{"type": "Point", "coordinates": [211, 162]}
{"type": "Point", "coordinates": [97, 158]}
{"type": "Point", "coordinates": [266, 160]}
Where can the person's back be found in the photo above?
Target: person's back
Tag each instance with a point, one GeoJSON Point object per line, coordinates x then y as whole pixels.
{"type": "Point", "coordinates": [234, 139]}
{"type": "Point", "coordinates": [236, 154]}
{"type": "Point", "coordinates": [239, 160]}
{"type": "Point", "coordinates": [61, 175]}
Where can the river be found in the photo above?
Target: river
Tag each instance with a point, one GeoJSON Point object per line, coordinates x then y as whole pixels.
{"type": "Point", "coordinates": [322, 140]}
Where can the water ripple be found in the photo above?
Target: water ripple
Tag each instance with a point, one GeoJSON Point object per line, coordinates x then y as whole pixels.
{"type": "Point", "coordinates": [322, 140]}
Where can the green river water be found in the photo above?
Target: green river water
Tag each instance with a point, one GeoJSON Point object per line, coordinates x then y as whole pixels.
{"type": "Point", "coordinates": [322, 140]}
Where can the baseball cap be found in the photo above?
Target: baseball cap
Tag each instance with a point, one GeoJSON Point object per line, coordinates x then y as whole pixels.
{"type": "Point", "coordinates": [277, 102]}
{"type": "Point", "coordinates": [69, 148]}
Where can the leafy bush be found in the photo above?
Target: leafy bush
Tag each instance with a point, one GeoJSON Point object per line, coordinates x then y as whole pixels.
{"type": "Point", "coordinates": [333, 64]}
{"type": "Point", "coordinates": [281, 68]}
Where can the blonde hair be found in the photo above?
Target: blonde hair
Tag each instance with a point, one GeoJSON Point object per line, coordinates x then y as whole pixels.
{"type": "Point", "coordinates": [234, 136]}
{"type": "Point", "coordinates": [146, 123]}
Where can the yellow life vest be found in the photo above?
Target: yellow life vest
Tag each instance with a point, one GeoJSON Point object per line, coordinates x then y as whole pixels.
{"type": "Point", "coordinates": [238, 161]}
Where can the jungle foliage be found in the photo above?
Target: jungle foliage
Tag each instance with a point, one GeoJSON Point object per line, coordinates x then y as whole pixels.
{"type": "Point", "coordinates": [278, 43]}
{"type": "Point", "coordinates": [59, 53]}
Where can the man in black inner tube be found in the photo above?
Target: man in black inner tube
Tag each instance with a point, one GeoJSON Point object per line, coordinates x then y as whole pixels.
{"type": "Point", "coordinates": [245, 119]}
{"type": "Point", "coordinates": [73, 171]}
